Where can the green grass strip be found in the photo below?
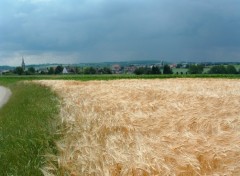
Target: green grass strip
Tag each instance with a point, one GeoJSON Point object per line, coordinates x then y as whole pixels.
{"type": "Point", "coordinates": [27, 129]}
{"type": "Point", "coordinates": [14, 78]}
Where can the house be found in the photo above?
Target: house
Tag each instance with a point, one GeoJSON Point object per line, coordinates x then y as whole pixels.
{"type": "Point", "coordinates": [116, 69]}
{"type": "Point", "coordinates": [65, 71]}
{"type": "Point", "coordinates": [42, 70]}
{"type": "Point", "coordinates": [130, 69]}
{"type": "Point", "coordinates": [173, 66]}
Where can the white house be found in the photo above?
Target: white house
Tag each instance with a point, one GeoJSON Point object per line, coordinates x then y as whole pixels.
{"type": "Point", "coordinates": [65, 71]}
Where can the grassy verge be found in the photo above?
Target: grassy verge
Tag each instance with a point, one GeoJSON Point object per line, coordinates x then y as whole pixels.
{"type": "Point", "coordinates": [27, 128]}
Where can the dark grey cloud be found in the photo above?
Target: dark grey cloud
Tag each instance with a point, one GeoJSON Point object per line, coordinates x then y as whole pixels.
{"type": "Point", "coordinates": [101, 30]}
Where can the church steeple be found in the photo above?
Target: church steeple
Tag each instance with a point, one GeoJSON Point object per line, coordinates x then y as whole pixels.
{"type": "Point", "coordinates": [23, 64]}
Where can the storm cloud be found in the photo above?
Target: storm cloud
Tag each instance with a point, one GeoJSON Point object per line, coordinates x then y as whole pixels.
{"type": "Point", "coordinates": [73, 31]}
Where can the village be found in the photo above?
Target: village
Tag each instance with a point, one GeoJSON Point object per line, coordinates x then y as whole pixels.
{"type": "Point", "coordinates": [138, 67]}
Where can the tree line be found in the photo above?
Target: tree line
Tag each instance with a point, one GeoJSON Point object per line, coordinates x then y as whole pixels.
{"type": "Point", "coordinates": [153, 70]}
{"type": "Point", "coordinates": [59, 70]}
{"type": "Point", "coordinates": [217, 69]}
{"type": "Point", "coordinates": [192, 69]}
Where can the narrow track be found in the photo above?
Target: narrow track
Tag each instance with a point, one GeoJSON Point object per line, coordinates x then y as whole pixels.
{"type": "Point", "coordinates": [4, 95]}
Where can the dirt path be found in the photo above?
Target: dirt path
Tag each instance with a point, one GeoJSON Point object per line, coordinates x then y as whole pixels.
{"type": "Point", "coordinates": [4, 95]}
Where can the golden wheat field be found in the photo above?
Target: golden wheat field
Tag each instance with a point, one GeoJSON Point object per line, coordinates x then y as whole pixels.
{"type": "Point", "coordinates": [149, 127]}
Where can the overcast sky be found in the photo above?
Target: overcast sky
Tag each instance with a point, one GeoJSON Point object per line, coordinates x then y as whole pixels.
{"type": "Point", "coordinates": [76, 31]}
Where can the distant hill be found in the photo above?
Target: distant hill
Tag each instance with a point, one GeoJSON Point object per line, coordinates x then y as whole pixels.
{"type": "Point", "coordinates": [96, 64]}
{"type": "Point", "coordinates": [40, 66]}
{"type": "Point", "coordinates": [122, 63]}
{"type": "Point", "coordinates": [2, 68]}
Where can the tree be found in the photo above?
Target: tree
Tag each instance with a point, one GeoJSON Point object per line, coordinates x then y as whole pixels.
{"type": "Point", "coordinates": [179, 66]}
{"type": "Point", "coordinates": [231, 69]}
{"type": "Point", "coordinates": [59, 69]}
{"type": "Point", "coordinates": [51, 71]}
{"type": "Point", "coordinates": [105, 70]}
{"type": "Point", "coordinates": [147, 71]}
{"type": "Point", "coordinates": [77, 70]}
{"type": "Point", "coordinates": [167, 70]}
{"type": "Point", "coordinates": [195, 69]}
{"type": "Point", "coordinates": [155, 70]}
{"type": "Point", "coordinates": [139, 71]}
{"type": "Point", "coordinates": [217, 69]}
{"type": "Point", "coordinates": [42, 72]}
{"type": "Point", "coordinates": [19, 70]}
{"type": "Point", "coordinates": [31, 71]}
{"type": "Point", "coordinates": [89, 70]}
